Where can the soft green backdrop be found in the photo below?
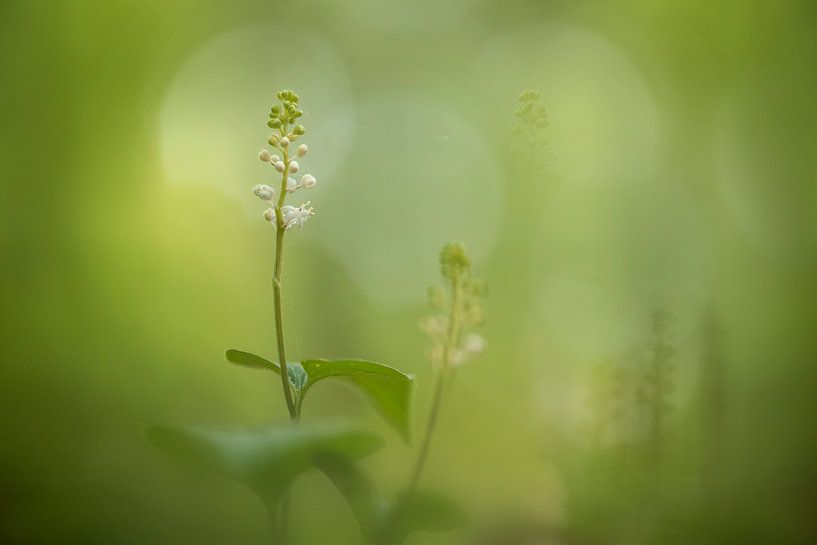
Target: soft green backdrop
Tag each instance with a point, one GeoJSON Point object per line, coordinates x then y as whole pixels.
{"type": "Point", "coordinates": [679, 177]}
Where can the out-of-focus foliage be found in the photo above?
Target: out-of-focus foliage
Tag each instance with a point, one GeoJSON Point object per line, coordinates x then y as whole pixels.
{"type": "Point", "coordinates": [677, 176]}
{"type": "Point", "coordinates": [267, 461]}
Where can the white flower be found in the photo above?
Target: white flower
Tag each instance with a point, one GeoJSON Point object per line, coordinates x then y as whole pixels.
{"type": "Point", "coordinates": [264, 155]}
{"type": "Point", "coordinates": [457, 357]}
{"type": "Point", "coordinates": [294, 166]}
{"type": "Point", "coordinates": [269, 214]}
{"type": "Point", "coordinates": [302, 149]}
{"type": "Point", "coordinates": [474, 343]}
{"type": "Point", "coordinates": [279, 166]}
{"type": "Point", "coordinates": [296, 215]}
{"type": "Point", "coordinates": [292, 185]}
{"type": "Point", "coordinates": [284, 142]}
{"type": "Point", "coordinates": [308, 181]}
{"type": "Point", "coordinates": [435, 326]}
{"type": "Point", "coordinates": [274, 159]}
{"type": "Point", "coordinates": [263, 192]}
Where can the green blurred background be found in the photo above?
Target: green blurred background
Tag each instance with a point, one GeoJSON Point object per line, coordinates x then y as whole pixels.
{"type": "Point", "coordinates": [678, 180]}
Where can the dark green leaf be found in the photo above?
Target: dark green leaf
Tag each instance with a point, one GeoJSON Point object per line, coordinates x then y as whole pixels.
{"type": "Point", "coordinates": [357, 489]}
{"type": "Point", "coordinates": [265, 460]}
{"type": "Point", "coordinates": [421, 511]}
{"type": "Point", "coordinates": [389, 389]}
{"type": "Point", "coordinates": [251, 360]}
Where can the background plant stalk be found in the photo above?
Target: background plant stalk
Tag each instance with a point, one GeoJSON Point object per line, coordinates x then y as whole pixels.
{"type": "Point", "coordinates": [452, 335]}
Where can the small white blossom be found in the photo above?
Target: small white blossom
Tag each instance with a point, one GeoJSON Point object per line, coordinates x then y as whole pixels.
{"type": "Point", "coordinates": [279, 166]}
{"type": "Point", "coordinates": [457, 357]}
{"type": "Point", "coordinates": [474, 343]}
{"type": "Point", "coordinates": [302, 149]}
{"type": "Point", "coordinates": [296, 215]}
{"type": "Point", "coordinates": [274, 159]}
{"type": "Point", "coordinates": [292, 185]}
{"type": "Point", "coordinates": [435, 326]}
{"type": "Point", "coordinates": [264, 155]}
{"type": "Point", "coordinates": [308, 181]}
{"type": "Point", "coordinates": [294, 166]}
{"type": "Point", "coordinates": [269, 214]}
{"type": "Point", "coordinates": [263, 192]}
{"type": "Point", "coordinates": [284, 142]}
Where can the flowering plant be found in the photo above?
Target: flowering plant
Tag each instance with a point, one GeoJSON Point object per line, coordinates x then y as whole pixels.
{"type": "Point", "coordinates": [268, 460]}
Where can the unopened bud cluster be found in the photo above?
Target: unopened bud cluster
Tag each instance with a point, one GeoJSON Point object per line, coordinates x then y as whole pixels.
{"type": "Point", "coordinates": [532, 119]}
{"type": "Point", "coordinates": [458, 309]}
{"type": "Point", "coordinates": [282, 116]}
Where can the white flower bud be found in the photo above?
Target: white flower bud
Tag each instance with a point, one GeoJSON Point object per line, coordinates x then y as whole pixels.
{"type": "Point", "coordinates": [294, 166]}
{"type": "Point", "coordinates": [292, 185]}
{"type": "Point", "coordinates": [263, 192]}
{"type": "Point", "coordinates": [279, 166]}
{"type": "Point", "coordinates": [474, 343]}
{"type": "Point", "coordinates": [308, 181]}
{"type": "Point", "coordinates": [269, 215]}
{"type": "Point", "coordinates": [264, 155]}
{"type": "Point", "coordinates": [302, 149]}
{"type": "Point", "coordinates": [457, 357]}
{"type": "Point", "coordinates": [284, 142]}
{"type": "Point", "coordinates": [274, 159]}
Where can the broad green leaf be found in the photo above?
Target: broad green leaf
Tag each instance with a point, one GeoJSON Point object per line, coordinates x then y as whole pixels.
{"type": "Point", "coordinates": [388, 388]}
{"type": "Point", "coordinates": [356, 488]}
{"type": "Point", "coordinates": [421, 511]}
{"type": "Point", "coordinates": [265, 460]}
{"type": "Point", "coordinates": [384, 523]}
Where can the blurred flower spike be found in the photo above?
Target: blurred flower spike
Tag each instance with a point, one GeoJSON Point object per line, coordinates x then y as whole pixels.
{"type": "Point", "coordinates": [532, 118]}
{"type": "Point", "coordinates": [458, 309]}
{"type": "Point", "coordinates": [282, 119]}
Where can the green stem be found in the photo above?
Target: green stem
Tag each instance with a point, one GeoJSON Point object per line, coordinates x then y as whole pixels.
{"type": "Point", "coordinates": [433, 417]}
{"type": "Point", "coordinates": [276, 287]}
{"type": "Point", "coordinates": [445, 368]}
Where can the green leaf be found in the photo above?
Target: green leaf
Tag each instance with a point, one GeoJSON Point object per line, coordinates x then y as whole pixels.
{"type": "Point", "coordinates": [356, 488]}
{"type": "Point", "coordinates": [251, 360]}
{"type": "Point", "coordinates": [265, 460]}
{"type": "Point", "coordinates": [421, 511]}
{"type": "Point", "coordinates": [388, 524]}
{"type": "Point", "coordinates": [388, 388]}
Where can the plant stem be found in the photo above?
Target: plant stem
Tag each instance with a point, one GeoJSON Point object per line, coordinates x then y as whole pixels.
{"type": "Point", "coordinates": [276, 287]}
{"type": "Point", "coordinates": [445, 366]}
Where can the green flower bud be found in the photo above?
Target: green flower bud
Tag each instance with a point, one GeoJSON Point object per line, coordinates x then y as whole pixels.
{"type": "Point", "coordinates": [274, 123]}
{"type": "Point", "coordinates": [275, 109]}
{"type": "Point", "coordinates": [299, 130]}
{"type": "Point", "coordinates": [453, 260]}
